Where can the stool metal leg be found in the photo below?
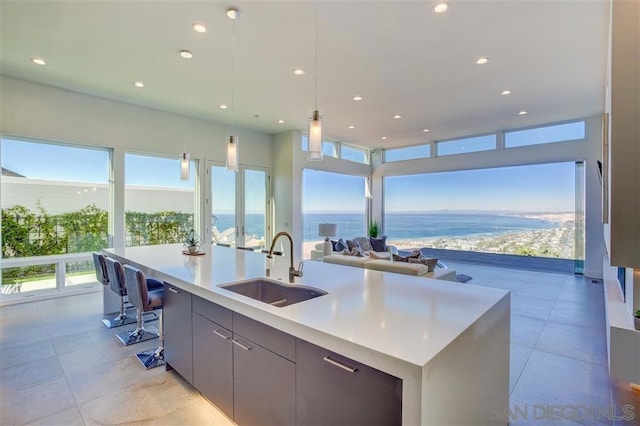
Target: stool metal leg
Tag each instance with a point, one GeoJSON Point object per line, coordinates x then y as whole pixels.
{"type": "Point", "coordinates": [121, 319]}
{"type": "Point", "coordinates": [154, 357]}
{"type": "Point", "coordinates": [140, 334]}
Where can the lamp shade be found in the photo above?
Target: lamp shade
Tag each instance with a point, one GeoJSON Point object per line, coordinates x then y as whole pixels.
{"type": "Point", "coordinates": [184, 166]}
{"type": "Point", "coordinates": [327, 229]}
{"type": "Point", "coordinates": [232, 153]}
{"type": "Point", "coordinates": [314, 151]}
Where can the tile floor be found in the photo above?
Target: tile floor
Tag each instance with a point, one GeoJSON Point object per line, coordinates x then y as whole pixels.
{"type": "Point", "coordinates": [60, 366]}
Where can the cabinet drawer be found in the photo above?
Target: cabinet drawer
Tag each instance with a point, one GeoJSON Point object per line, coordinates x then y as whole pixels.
{"type": "Point", "coordinates": [213, 312]}
{"type": "Point", "coordinates": [333, 389]}
{"type": "Point", "coordinates": [268, 337]}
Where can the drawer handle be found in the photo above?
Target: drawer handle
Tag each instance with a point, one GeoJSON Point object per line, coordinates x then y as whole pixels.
{"type": "Point", "coordinates": [173, 290]}
{"type": "Point", "coordinates": [245, 347]}
{"type": "Point", "coordinates": [217, 333]}
{"type": "Point", "coordinates": [340, 365]}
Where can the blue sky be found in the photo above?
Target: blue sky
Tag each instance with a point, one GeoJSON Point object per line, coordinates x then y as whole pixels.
{"type": "Point", "coordinates": [536, 188]}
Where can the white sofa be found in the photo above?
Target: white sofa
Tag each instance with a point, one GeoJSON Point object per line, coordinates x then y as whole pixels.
{"type": "Point", "coordinates": [416, 269]}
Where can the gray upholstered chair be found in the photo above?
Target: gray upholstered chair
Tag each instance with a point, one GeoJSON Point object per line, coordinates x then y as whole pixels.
{"type": "Point", "coordinates": [145, 300]}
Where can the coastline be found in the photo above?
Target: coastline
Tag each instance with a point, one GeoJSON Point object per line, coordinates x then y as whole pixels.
{"type": "Point", "coordinates": [556, 242]}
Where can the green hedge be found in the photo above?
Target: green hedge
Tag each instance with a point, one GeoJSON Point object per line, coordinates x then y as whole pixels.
{"type": "Point", "coordinates": [26, 233]}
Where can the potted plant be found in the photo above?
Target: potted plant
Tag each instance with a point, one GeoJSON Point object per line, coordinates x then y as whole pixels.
{"type": "Point", "coordinates": [636, 319]}
{"type": "Point", "coordinates": [191, 242]}
{"type": "Point", "coordinates": [374, 228]}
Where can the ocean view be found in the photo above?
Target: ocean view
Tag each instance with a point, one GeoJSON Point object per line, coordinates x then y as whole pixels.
{"type": "Point", "coordinates": [533, 234]}
{"type": "Point", "coordinates": [416, 226]}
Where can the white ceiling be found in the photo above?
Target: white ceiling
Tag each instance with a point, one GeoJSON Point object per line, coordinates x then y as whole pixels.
{"type": "Point", "coordinates": [400, 56]}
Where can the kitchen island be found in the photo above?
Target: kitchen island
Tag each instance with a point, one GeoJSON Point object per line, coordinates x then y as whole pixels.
{"type": "Point", "coordinates": [448, 343]}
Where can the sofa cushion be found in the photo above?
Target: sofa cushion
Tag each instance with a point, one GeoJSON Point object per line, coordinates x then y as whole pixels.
{"type": "Point", "coordinates": [378, 244]}
{"type": "Point", "coordinates": [379, 255]}
{"type": "Point", "coordinates": [340, 259]}
{"type": "Point", "coordinates": [406, 268]}
{"type": "Point", "coordinates": [364, 243]}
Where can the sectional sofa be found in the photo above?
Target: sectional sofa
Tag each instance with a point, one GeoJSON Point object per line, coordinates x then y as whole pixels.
{"type": "Point", "coordinates": [381, 261]}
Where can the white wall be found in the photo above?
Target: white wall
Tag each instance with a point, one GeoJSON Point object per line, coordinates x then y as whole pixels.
{"type": "Point", "coordinates": [289, 162]}
{"type": "Point", "coordinates": [588, 150]}
{"type": "Point", "coordinates": [35, 111]}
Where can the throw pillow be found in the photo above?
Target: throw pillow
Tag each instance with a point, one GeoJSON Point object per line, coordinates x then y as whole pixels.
{"type": "Point", "coordinates": [364, 243]}
{"type": "Point", "coordinates": [398, 258]}
{"type": "Point", "coordinates": [429, 263]}
{"type": "Point", "coordinates": [379, 244]}
{"type": "Point", "coordinates": [356, 251]}
{"type": "Point", "coordinates": [333, 245]}
{"type": "Point", "coordinates": [351, 244]}
{"type": "Point", "coordinates": [340, 245]}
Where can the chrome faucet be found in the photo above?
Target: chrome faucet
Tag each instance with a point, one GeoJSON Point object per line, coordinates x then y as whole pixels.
{"type": "Point", "coordinates": [293, 272]}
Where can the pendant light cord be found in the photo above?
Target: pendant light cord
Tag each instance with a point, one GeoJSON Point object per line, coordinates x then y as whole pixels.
{"type": "Point", "coordinates": [233, 79]}
{"type": "Point", "coordinates": [316, 64]}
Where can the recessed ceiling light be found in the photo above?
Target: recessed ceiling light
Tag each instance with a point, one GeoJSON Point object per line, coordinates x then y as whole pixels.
{"type": "Point", "coordinates": [138, 84]}
{"type": "Point", "coordinates": [383, 138]}
{"type": "Point", "coordinates": [38, 61]}
{"type": "Point", "coordinates": [280, 121]}
{"type": "Point", "coordinates": [425, 130]}
{"type": "Point", "coordinates": [223, 106]}
{"type": "Point", "coordinates": [505, 92]}
{"type": "Point", "coordinates": [199, 28]}
{"type": "Point", "coordinates": [397, 116]}
{"type": "Point", "coordinates": [482, 61]}
{"type": "Point", "coordinates": [522, 113]}
{"type": "Point", "coordinates": [440, 7]}
{"type": "Point", "coordinates": [357, 98]}
{"type": "Point", "coordinates": [299, 71]}
{"type": "Point", "coordinates": [233, 13]}
{"type": "Point", "coordinates": [352, 127]}
{"type": "Point", "coordinates": [186, 54]}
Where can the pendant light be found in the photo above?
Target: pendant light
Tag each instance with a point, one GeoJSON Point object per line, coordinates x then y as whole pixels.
{"type": "Point", "coordinates": [232, 142]}
{"type": "Point", "coordinates": [185, 163]}
{"type": "Point", "coordinates": [314, 151]}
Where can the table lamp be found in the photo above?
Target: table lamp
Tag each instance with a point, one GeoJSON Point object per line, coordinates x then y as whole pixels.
{"type": "Point", "coordinates": [327, 230]}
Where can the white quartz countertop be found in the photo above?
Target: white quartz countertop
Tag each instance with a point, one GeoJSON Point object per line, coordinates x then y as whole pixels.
{"type": "Point", "coordinates": [406, 318]}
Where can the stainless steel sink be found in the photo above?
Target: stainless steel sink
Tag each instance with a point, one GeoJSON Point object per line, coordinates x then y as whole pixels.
{"type": "Point", "coordinates": [273, 292]}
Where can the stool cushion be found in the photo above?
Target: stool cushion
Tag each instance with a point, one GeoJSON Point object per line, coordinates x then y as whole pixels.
{"type": "Point", "coordinates": [153, 284]}
{"type": "Point", "coordinates": [155, 300]}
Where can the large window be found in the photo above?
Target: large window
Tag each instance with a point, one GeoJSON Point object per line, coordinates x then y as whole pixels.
{"type": "Point", "coordinates": [54, 203]}
{"type": "Point", "coordinates": [407, 153]}
{"type": "Point", "coordinates": [159, 206]}
{"type": "Point", "coordinates": [525, 210]}
{"type": "Point", "coordinates": [547, 134]}
{"type": "Point", "coordinates": [466, 145]}
{"type": "Point", "coordinates": [332, 198]}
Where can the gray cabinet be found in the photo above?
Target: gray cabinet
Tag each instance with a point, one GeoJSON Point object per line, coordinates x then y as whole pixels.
{"type": "Point", "coordinates": [335, 390]}
{"type": "Point", "coordinates": [178, 351]}
{"type": "Point", "coordinates": [263, 380]}
{"type": "Point", "coordinates": [213, 362]}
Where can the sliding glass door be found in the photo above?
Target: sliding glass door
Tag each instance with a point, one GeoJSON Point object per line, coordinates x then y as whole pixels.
{"type": "Point", "coordinates": [238, 206]}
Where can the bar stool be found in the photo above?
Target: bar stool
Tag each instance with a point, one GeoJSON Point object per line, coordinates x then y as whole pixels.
{"type": "Point", "coordinates": [113, 276]}
{"type": "Point", "coordinates": [101, 268]}
{"type": "Point", "coordinates": [145, 300]}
